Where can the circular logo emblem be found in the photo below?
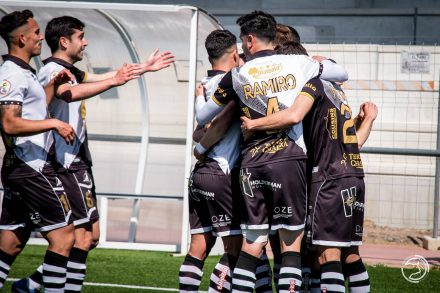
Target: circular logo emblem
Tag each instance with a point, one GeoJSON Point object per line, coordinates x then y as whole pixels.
{"type": "Point", "coordinates": [415, 268]}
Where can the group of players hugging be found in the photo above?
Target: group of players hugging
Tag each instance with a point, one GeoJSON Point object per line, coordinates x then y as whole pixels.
{"type": "Point", "coordinates": [279, 162]}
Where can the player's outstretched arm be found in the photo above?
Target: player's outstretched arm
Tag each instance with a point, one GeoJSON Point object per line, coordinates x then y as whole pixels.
{"type": "Point", "coordinates": [282, 119]}
{"type": "Point", "coordinates": [83, 91]}
{"type": "Point", "coordinates": [364, 121]}
{"type": "Point", "coordinates": [14, 125]}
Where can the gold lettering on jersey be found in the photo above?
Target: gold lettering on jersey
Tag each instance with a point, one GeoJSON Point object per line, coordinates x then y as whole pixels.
{"type": "Point", "coordinates": [265, 71]}
{"type": "Point", "coordinates": [275, 146]}
{"type": "Point", "coordinates": [356, 161]}
{"type": "Point", "coordinates": [246, 112]}
{"type": "Point", "coordinates": [255, 150]}
{"type": "Point", "coordinates": [332, 118]}
{"type": "Point", "coordinates": [310, 86]}
{"type": "Point", "coordinates": [274, 85]}
{"type": "Point", "coordinates": [222, 92]}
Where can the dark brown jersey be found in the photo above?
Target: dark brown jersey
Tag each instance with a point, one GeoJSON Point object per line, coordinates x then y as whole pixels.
{"type": "Point", "coordinates": [330, 134]}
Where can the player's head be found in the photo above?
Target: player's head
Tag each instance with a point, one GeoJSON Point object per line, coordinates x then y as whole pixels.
{"type": "Point", "coordinates": [20, 31]}
{"type": "Point", "coordinates": [285, 34]}
{"type": "Point", "coordinates": [256, 28]}
{"type": "Point", "coordinates": [291, 48]}
{"type": "Point", "coordinates": [221, 46]}
{"type": "Point", "coordinates": [66, 34]}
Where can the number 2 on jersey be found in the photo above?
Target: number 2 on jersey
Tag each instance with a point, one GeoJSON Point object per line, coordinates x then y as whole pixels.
{"type": "Point", "coordinates": [347, 124]}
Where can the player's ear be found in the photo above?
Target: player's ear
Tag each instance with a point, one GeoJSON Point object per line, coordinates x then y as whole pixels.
{"type": "Point", "coordinates": [63, 42]}
{"type": "Point", "coordinates": [21, 39]}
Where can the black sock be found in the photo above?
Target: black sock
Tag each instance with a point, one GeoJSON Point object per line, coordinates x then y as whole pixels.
{"type": "Point", "coordinates": [190, 274]}
{"type": "Point", "coordinates": [243, 278]}
{"type": "Point", "coordinates": [54, 272]}
{"type": "Point", "coordinates": [332, 279]}
{"type": "Point", "coordinates": [76, 270]}
{"type": "Point", "coordinates": [357, 275]}
{"type": "Point", "coordinates": [6, 261]}
{"type": "Point", "coordinates": [221, 277]}
{"type": "Point", "coordinates": [290, 272]}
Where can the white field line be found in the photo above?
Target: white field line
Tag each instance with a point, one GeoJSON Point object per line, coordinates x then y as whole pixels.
{"type": "Point", "coordinates": [120, 286]}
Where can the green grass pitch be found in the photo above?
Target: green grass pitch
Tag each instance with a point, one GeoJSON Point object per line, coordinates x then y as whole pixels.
{"type": "Point", "coordinates": [160, 269]}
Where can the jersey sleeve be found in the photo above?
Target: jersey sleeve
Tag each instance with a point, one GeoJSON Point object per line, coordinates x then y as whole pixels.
{"type": "Point", "coordinates": [310, 68]}
{"type": "Point", "coordinates": [313, 89]}
{"type": "Point", "coordinates": [225, 91]}
{"type": "Point", "coordinates": [48, 72]}
{"type": "Point", "coordinates": [13, 89]}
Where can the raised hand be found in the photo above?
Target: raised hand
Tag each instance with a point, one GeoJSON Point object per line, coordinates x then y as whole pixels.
{"type": "Point", "coordinates": [369, 110]}
{"type": "Point", "coordinates": [200, 90]}
{"type": "Point", "coordinates": [62, 77]}
{"type": "Point", "coordinates": [158, 60]}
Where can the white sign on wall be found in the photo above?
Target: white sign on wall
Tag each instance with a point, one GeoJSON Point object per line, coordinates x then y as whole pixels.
{"type": "Point", "coordinates": [415, 62]}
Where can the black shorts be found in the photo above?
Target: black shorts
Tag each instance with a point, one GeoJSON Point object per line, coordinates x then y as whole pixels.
{"type": "Point", "coordinates": [336, 212]}
{"type": "Point", "coordinates": [214, 201]}
{"type": "Point", "coordinates": [78, 185]}
{"type": "Point", "coordinates": [39, 202]}
{"type": "Point", "coordinates": [274, 196]}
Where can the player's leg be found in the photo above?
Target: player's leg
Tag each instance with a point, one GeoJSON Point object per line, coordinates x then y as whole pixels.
{"type": "Point", "coordinates": [255, 228]}
{"type": "Point", "coordinates": [263, 274]}
{"type": "Point", "coordinates": [332, 278]}
{"type": "Point", "coordinates": [94, 216]}
{"type": "Point", "coordinates": [224, 211]}
{"type": "Point", "coordinates": [289, 213]}
{"type": "Point", "coordinates": [355, 271]}
{"type": "Point", "coordinates": [274, 239]}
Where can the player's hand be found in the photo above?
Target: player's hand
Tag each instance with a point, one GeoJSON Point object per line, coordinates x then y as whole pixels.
{"type": "Point", "coordinates": [62, 77]}
{"type": "Point", "coordinates": [319, 58]}
{"type": "Point", "coordinates": [158, 60]}
{"type": "Point", "coordinates": [126, 73]}
{"type": "Point", "coordinates": [369, 111]}
{"type": "Point", "coordinates": [65, 130]}
{"type": "Point", "coordinates": [246, 127]}
{"type": "Point", "coordinates": [200, 90]}
{"type": "Point", "coordinates": [200, 157]}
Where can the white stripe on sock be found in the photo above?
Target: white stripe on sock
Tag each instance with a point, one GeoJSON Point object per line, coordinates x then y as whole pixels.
{"type": "Point", "coordinates": [244, 273]}
{"type": "Point", "coordinates": [290, 270]}
{"type": "Point", "coordinates": [363, 289]}
{"type": "Point", "coordinates": [77, 266]}
{"type": "Point", "coordinates": [332, 275]}
{"type": "Point", "coordinates": [333, 287]}
{"type": "Point", "coordinates": [188, 281]}
{"type": "Point", "coordinates": [191, 269]}
{"type": "Point", "coordinates": [55, 269]}
{"type": "Point", "coordinates": [359, 277]}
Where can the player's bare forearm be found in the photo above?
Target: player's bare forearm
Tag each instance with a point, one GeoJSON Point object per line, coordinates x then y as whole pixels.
{"type": "Point", "coordinates": [14, 125]}
{"type": "Point", "coordinates": [364, 130]}
{"type": "Point", "coordinates": [282, 119]}
{"type": "Point", "coordinates": [364, 121]}
{"type": "Point", "coordinates": [198, 133]}
{"type": "Point", "coordinates": [84, 91]}
{"type": "Point", "coordinates": [220, 125]}
{"type": "Point", "coordinates": [50, 91]}
{"type": "Point", "coordinates": [94, 77]}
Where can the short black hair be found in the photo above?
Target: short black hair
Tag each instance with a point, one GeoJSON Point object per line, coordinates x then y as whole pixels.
{"type": "Point", "coordinates": [218, 42]}
{"type": "Point", "coordinates": [13, 20]}
{"type": "Point", "coordinates": [61, 27]}
{"type": "Point", "coordinates": [259, 23]}
{"type": "Point", "coordinates": [291, 48]}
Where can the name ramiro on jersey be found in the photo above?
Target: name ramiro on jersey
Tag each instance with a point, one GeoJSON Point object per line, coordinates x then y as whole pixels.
{"type": "Point", "coordinates": [274, 85]}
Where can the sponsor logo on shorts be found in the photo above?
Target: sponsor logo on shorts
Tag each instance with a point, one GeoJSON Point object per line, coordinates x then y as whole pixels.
{"type": "Point", "coordinates": [35, 217]}
{"type": "Point", "coordinates": [282, 212]}
{"type": "Point", "coordinates": [265, 184]}
{"type": "Point", "coordinates": [359, 230]}
{"type": "Point", "coordinates": [245, 184]}
{"type": "Point", "coordinates": [207, 194]}
{"type": "Point", "coordinates": [220, 220]}
{"type": "Point", "coordinates": [349, 201]}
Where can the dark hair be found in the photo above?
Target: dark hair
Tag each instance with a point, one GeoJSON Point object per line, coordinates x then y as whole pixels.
{"type": "Point", "coordinates": [61, 27]}
{"type": "Point", "coordinates": [286, 34]}
{"type": "Point", "coordinates": [258, 23]}
{"type": "Point", "coordinates": [218, 42]}
{"type": "Point", "coordinates": [291, 48]}
{"type": "Point", "coordinates": [13, 20]}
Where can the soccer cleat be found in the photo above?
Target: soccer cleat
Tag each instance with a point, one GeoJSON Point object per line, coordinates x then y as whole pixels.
{"type": "Point", "coordinates": [22, 286]}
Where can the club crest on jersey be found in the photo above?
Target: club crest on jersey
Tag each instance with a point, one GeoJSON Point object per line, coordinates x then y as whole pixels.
{"type": "Point", "coordinates": [265, 71]}
{"type": "Point", "coordinates": [86, 178]}
{"type": "Point", "coordinates": [58, 184]}
{"type": "Point", "coordinates": [5, 87]}
{"type": "Point", "coordinates": [53, 74]}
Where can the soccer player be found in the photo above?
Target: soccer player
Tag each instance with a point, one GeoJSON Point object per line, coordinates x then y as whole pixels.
{"type": "Point", "coordinates": [212, 187]}
{"type": "Point", "coordinates": [65, 37]}
{"type": "Point", "coordinates": [34, 198]}
{"type": "Point", "coordinates": [335, 174]}
{"type": "Point", "coordinates": [265, 84]}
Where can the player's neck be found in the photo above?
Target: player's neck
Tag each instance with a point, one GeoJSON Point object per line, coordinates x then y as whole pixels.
{"type": "Point", "coordinates": [222, 66]}
{"type": "Point", "coordinates": [261, 47]}
{"type": "Point", "coordinates": [20, 53]}
{"type": "Point", "coordinates": [61, 55]}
